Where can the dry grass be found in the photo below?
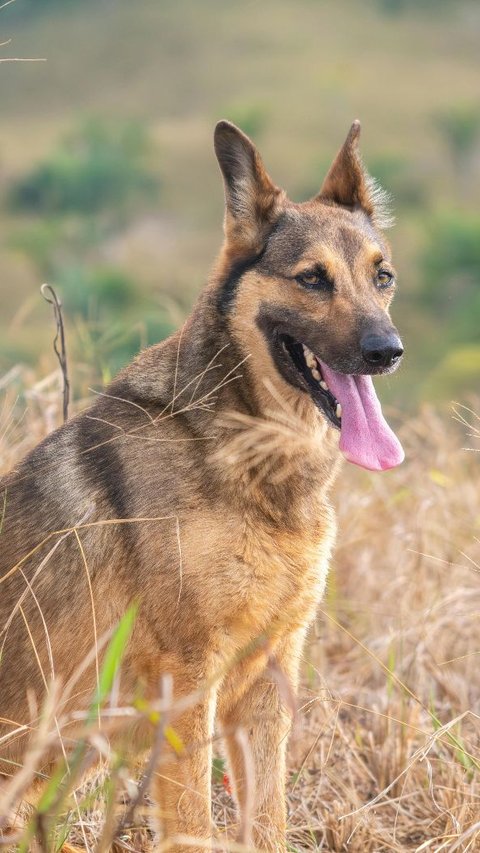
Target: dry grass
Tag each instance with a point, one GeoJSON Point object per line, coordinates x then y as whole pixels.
{"type": "Point", "coordinates": [390, 718]}
{"type": "Point", "coordinates": [385, 755]}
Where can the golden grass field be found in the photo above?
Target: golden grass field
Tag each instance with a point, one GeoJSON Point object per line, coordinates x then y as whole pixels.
{"type": "Point", "coordinates": [385, 754]}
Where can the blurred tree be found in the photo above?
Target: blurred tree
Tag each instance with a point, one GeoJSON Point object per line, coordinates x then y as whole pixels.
{"type": "Point", "coordinates": [100, 166]}
{"type": "Point", "coordinates": [27, 8]}
{"type": "Point", "coordinates": [52, 243]}
{"type": "Point", "coordinates": [460, 127]}
{"type": "Point", "coordinates": [95, 292]}
{"type": "Point", "coordinates": [398, 176]}
{"type": "Point", "coordinates": [456, 375]}
{"type": "Point", "coordinates": [251, 117]}
{"type": "Point", "coordinates": [396, 7]}
{"type": "Point", "coordinates": [451, 275]}
{"type": "Point", "coordinates": [98, 177]}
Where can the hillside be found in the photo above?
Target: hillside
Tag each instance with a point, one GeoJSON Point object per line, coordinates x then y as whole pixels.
{"type": "Point", "coordinates": [294, 77]}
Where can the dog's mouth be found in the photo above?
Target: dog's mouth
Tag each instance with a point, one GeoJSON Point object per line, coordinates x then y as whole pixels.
{"type": "Point", "coordinates": [310, 368]}
{"type": "Point", "coordinates": [349, 403]}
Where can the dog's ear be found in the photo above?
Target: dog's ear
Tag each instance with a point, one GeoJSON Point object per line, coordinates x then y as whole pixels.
{"type": "Point", "coordinates": [253, 202]}
{"type": "Point", "coordinates": [349, 184]}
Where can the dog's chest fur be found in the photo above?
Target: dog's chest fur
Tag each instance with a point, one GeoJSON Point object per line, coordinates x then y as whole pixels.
{"type": "Point", "coordinates": [263, 576]}
{"type": "Point", "coordinates": [283, 576]}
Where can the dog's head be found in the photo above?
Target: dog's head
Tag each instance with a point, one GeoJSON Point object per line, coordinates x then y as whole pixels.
{"type": "Point", "coordinates": [306, 288]}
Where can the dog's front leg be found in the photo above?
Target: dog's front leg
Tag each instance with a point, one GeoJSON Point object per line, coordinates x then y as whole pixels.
{"type": "Point", "coordinates": [260, 714]}
{"type": "Point", "coordinates": [182, 784]}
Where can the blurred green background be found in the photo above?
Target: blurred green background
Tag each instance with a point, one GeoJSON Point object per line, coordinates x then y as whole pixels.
{"type": "Point", "coordinates": [110, 190]}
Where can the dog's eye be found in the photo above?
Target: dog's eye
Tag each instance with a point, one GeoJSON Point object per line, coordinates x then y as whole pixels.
{"type": "Point", "coordinates": [384, 278]}
{"type": "Point", "coordinates": [315, 280]}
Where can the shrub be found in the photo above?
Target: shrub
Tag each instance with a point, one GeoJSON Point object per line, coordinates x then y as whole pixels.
{"type": "Point", "coordinates": [446, 333]}
{"type": "Point", "coordinates": [460, 127]}
{"type": "Point", "coordinates": [92, 292]}
{"type": "Point", "coordinates": [451, 260]}
{"type": "Point", "coordinates": [396, 174]}
{"type": "Point", "coordinates": [456, 376]}
{"type": "Point", "coordinates": [398, 7]}
{"type": "Point", "coordinates": [53, 243]}
{"type": "Point", "coordinates": [251, 117]}
{"type": "Point", "coordinates": [101, 166]}
{"type": "Point", "coordinates": [107, 346]}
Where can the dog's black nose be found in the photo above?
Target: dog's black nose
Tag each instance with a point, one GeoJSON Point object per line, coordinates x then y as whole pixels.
{"type": "Point", "coordinates": [381, 350]}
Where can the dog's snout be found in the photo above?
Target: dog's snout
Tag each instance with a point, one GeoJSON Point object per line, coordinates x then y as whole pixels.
{"type": "Point", "coordinates": [381, 350]}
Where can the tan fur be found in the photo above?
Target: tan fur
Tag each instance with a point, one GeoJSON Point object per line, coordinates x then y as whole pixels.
{"type": "Point", "coordinates": [233, 465]}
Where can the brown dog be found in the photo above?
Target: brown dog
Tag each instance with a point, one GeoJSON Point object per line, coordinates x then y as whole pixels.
{"type": "Point", "coordinates": [219, 446]}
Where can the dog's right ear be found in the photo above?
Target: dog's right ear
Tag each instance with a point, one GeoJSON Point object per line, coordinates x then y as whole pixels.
{"type": "Point", "coordinates": [253, 202]}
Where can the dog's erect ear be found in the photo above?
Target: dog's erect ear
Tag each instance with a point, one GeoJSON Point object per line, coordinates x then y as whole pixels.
{"type": "Point", "coordinates": [253, 202]}
{"type": "Point", "coordinates": [349, 184]}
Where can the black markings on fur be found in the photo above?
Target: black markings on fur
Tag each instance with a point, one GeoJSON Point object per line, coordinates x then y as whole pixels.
{"type": "Point", "coordinates": [228, 287]}
{"type": "Point", "coordinates": [101, 462]}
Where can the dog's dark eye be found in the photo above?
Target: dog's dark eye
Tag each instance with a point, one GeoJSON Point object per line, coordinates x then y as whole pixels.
{"type": "Point", "coordinates": [384, 279]}
{"type": "Point", "coordinates": [315, 280]}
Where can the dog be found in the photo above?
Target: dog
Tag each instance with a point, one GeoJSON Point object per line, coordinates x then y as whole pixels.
{"type": "Point", "coordinates": [198, 487]}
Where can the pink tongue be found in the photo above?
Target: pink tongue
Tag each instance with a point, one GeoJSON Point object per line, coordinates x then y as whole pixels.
{"type": "Point", "coordinates": [365, 438]}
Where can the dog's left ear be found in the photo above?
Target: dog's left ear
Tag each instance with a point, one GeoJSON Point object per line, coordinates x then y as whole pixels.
{"type": "Point", "coordinates": [252, 201]}
{"type": "Point", "coordinates": [349, 184]}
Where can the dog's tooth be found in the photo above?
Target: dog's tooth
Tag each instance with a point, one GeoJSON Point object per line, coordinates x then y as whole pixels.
{"type": "Point", "coordinates": [338, 411]}
{"type": "Point", "coordinates": [310, 359]}
{"type": "Point", "coordinates": [316, 374]}
{"type": "Point", "coordinates": [323, 385]}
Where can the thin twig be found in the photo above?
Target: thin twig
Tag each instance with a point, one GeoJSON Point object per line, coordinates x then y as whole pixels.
{"type": "Point", "coordinates": [61, 354]}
